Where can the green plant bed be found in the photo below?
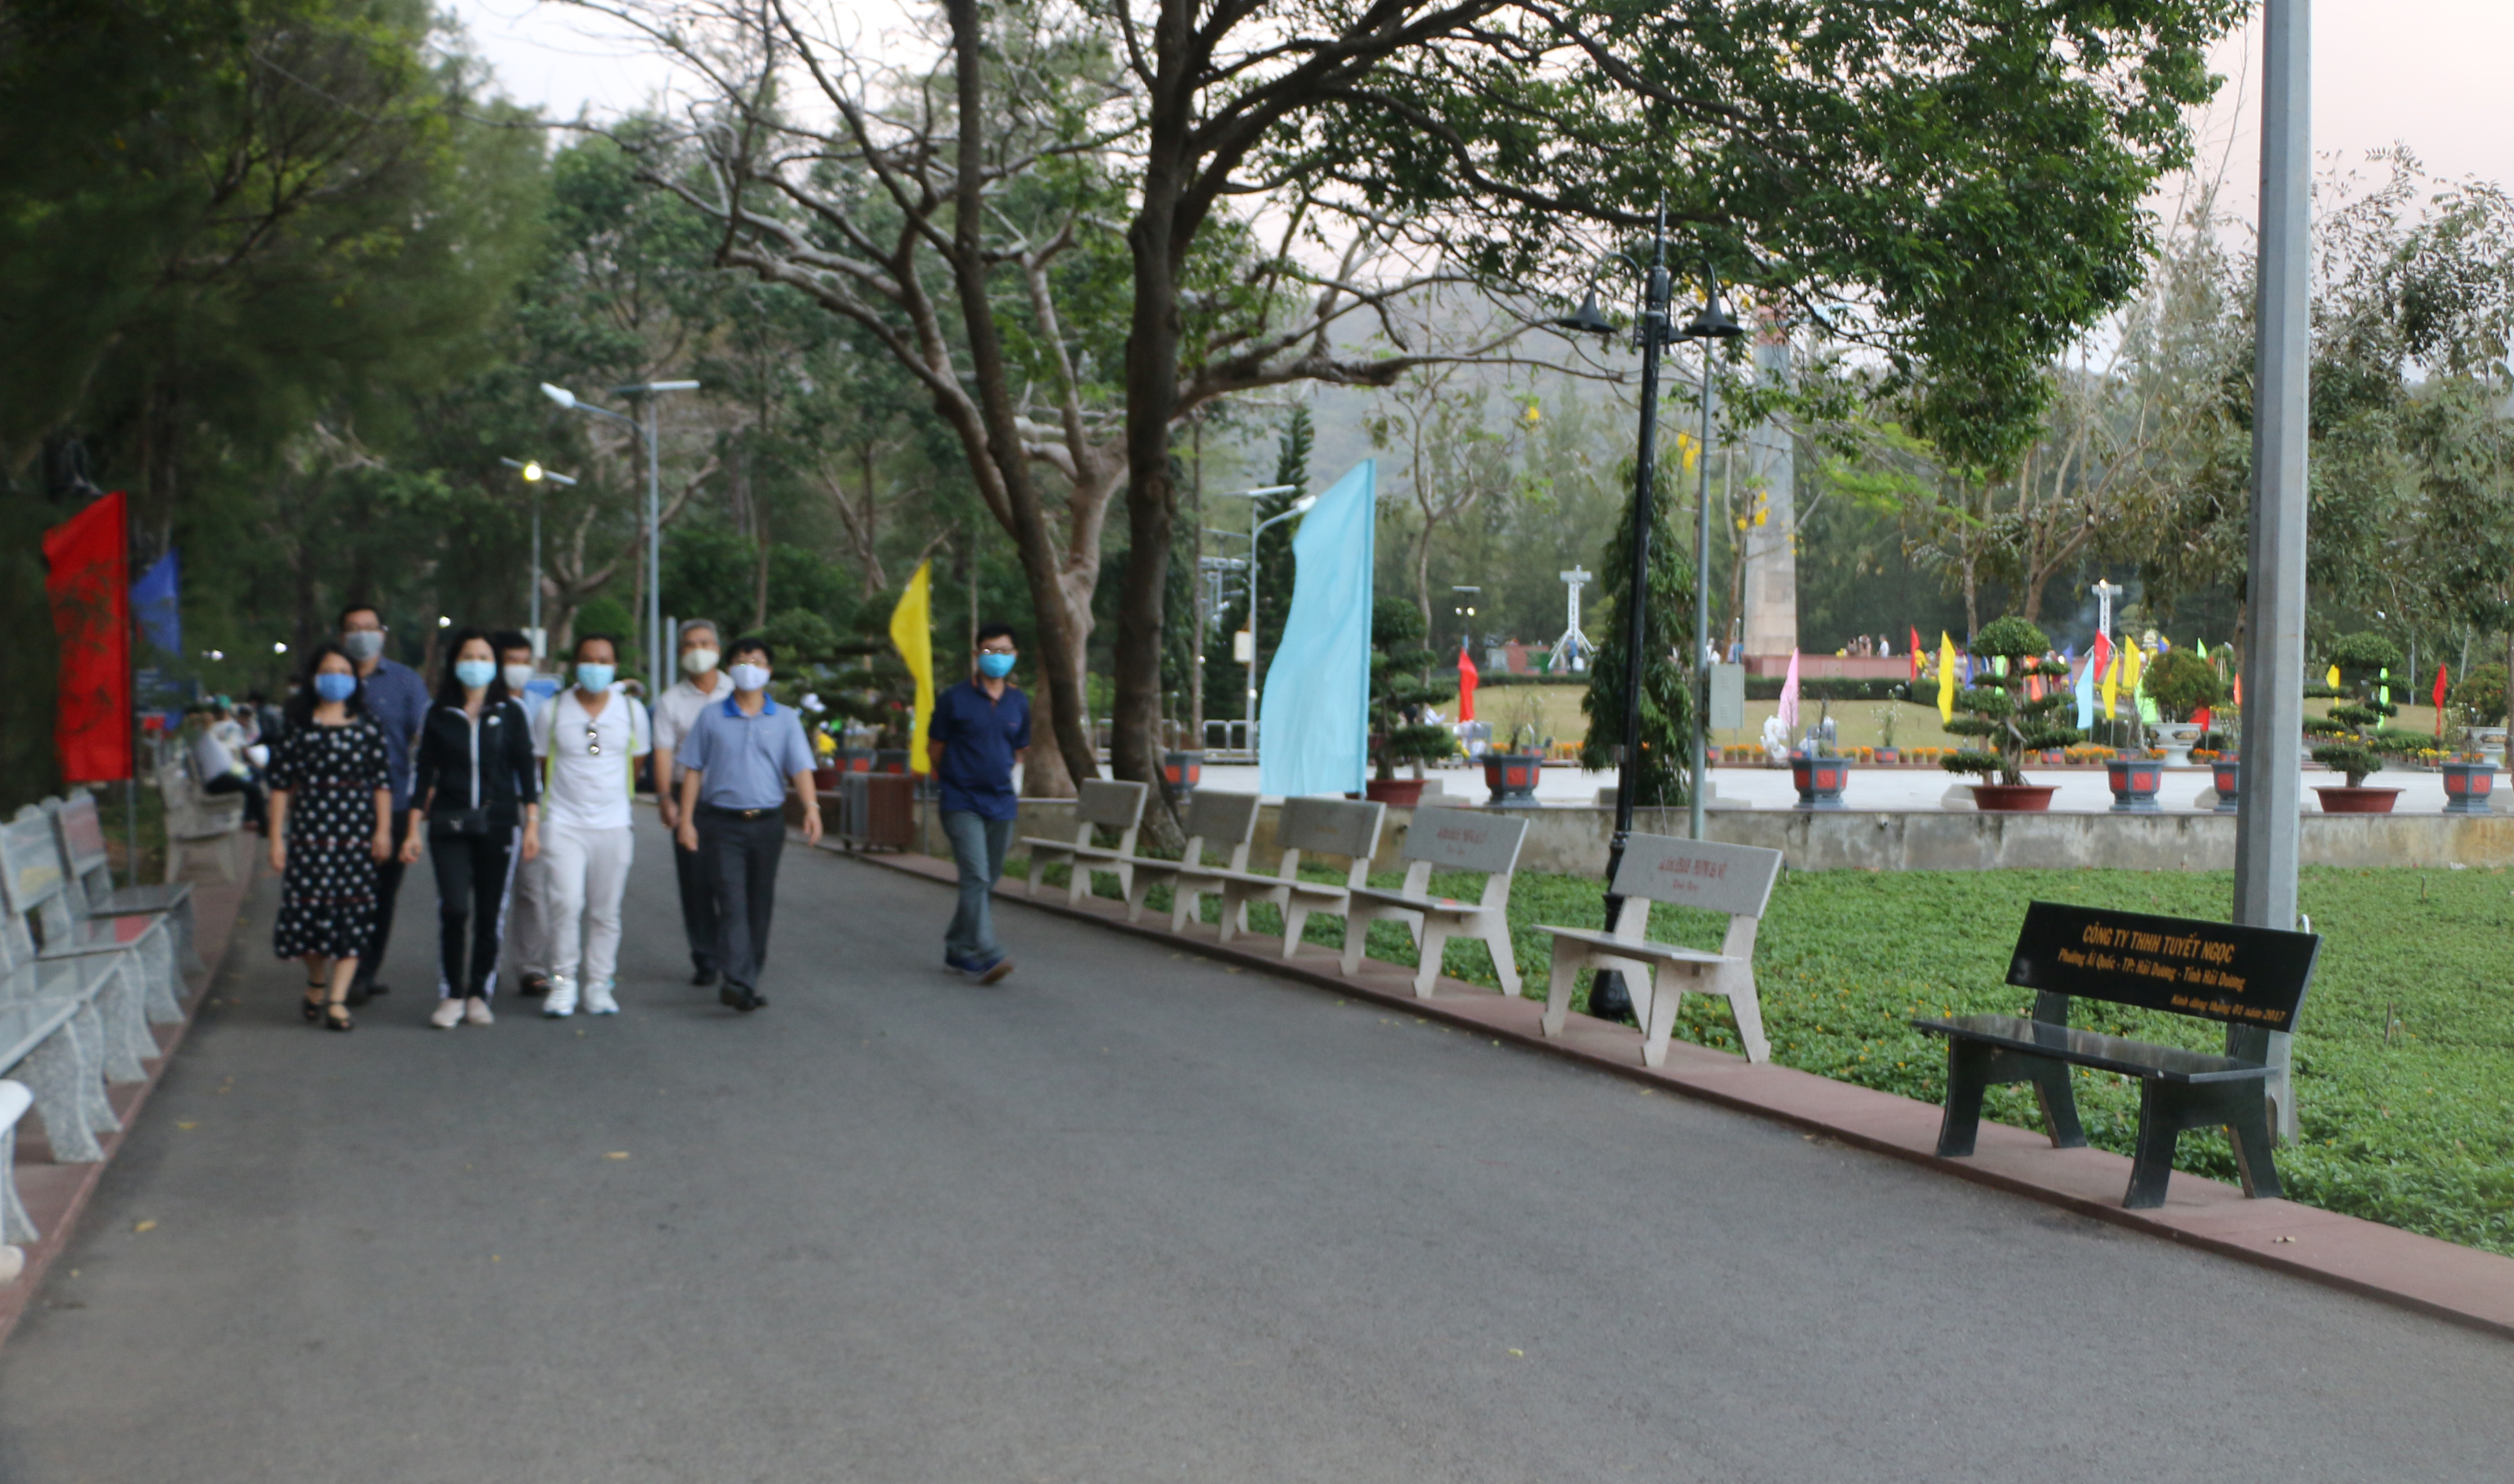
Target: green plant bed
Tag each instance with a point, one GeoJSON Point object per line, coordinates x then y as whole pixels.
{"type": "Point", "coordinates": [2417, 1133]}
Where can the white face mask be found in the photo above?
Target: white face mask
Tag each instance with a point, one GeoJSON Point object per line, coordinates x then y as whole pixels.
{"type": "Point", "coordinates": [517, 677]}
{"type": "Point", "coordinates": [697, 661]}
{"type": "Point", "coordinates": [750, 677]}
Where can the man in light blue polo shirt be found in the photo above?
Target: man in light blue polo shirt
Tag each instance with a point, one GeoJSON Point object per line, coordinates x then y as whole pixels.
{"type": "Point", "coordinates": [740, 753]}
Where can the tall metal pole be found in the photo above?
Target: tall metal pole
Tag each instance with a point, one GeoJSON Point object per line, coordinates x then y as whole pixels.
{"type": "Point", "coordinates": [2269, 795]}
{"type": "Point", "coordinates": [654, 552]}
{"type": "Point", "coordinates": [1702, 587]}
{"type": "Point", "coordinates": [1607, 998]}
{"type": "Point", "coordinates": [541, 642]}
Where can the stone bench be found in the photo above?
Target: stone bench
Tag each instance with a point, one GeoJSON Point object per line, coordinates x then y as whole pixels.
{"type": "Point", "coordinates": [1449, 840]}
{"type": "Point", "coordinates": [1225, 823]}
{"type": "Point", "coordinates": [1104, 804]}
{"type": "Point", "coordinates": [79, 830]}
{"type": "Point", "coordinates": [52, 1038]}
{"type": "Point", "coordinates": [136, 954]}
{"type": "Point", "coordinates": [1734, 879]}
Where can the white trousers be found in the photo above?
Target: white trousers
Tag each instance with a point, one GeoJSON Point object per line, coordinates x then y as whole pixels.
{"type": "Point", "coordinates": [584, 874]}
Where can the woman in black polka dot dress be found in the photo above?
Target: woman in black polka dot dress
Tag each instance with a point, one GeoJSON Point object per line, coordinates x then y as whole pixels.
{"type": "Point", "coordinates": [331, 820]}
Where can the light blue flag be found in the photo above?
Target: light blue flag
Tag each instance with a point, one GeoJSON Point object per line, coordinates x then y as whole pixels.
{"type": "Point", "coordinates": [2086, 694]}
{"type": "Point", "coordinates": [1313, 724]}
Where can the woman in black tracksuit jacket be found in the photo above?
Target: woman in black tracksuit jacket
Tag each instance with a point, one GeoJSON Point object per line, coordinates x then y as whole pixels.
{"type": "Point", "coordinates": [476, 798]}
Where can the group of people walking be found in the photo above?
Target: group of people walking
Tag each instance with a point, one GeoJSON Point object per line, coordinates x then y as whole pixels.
{"type": "Point", "coordinates": [522, 805]}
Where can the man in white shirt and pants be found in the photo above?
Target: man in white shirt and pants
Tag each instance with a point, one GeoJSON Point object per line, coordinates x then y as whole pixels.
{"type": "Point", "coordinates": [590, 738]}
{"type": "Point", "coordinates": [701, 685]}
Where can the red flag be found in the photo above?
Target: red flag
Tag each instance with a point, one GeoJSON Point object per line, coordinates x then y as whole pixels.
{"type": "Point", "coordinates": [90, 589]}
{"type": "Point", "coordinates": [1467, 679]}
{"type": "Point", "coordinates": [2438, 700]}
{"type": "Point", "coordinates": [2103, 655]}
{"type": "Point", "coordinates": [2200, 719]}
{"type": "Point", "coordinates": [2238, 690]}
{"type": "Point", "coordinates": [1915, 653]}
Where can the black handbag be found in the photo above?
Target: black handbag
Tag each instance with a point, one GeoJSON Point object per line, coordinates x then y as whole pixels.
{"type": "Point", "coordinates": [471, 823]}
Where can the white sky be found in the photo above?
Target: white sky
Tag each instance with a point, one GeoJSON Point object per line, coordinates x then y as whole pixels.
{"type": "Point", "coordinates": [2426, 72]}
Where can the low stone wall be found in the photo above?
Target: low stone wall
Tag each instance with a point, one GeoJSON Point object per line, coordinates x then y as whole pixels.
{"type": "Point", "coordinates": [1573, 841]}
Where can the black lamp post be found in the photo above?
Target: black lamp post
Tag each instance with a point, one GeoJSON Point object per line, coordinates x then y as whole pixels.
{"type": "Point", "coordinates": [1607, 998]}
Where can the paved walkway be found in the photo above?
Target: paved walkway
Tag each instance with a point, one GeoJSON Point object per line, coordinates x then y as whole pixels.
{"type": "Point", "coordinates": [1126, 1217]}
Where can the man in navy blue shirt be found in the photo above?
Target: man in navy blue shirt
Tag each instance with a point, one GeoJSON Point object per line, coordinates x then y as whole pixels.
{"type": "Point", "coordinates": [980, 729]}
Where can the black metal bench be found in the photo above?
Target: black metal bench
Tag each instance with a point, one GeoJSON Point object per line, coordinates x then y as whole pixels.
{"type": "Point", "coordinates": [2251, 979]}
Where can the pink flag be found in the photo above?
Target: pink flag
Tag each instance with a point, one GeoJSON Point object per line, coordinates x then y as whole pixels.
{"type": "Point", "coordinates": [1790, 694]}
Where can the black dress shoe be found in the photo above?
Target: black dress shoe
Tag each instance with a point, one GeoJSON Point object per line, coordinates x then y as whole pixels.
{"type": "Point", "coordinates": [533, 985]}
{"type": "Point", "coordinates": [360, 993]}
{"type": "Point", "coordinates": [735, 997]}
{"type": "Point", "coordinates": [379, 989]}
{"type": "Point", "coordinates": [703, 978]}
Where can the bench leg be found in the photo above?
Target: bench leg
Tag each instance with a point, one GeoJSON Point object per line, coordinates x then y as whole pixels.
{"type": "Point", "coordinates": [2248, 1124]}
{"type": "Point", "coordinates": [2151, 1161]}
{"type": "Point", "coordinates": [1746, 1008]}
{"type": "Point", "coordinates": [2059, 1104]}
{"type": "Point", "coordinates": [1357, 937]}
{"type": "Point", "coordinates": [1186, 906]}
{"type": "Point", "coordinates": [1968, 1078]}
{"type": "Point", "coordinates": [1567, 959]}
{"type": "Point", "coordinates": [1496, 936]}
{"type": "Point", "coordinates": [15, 1226]}
{"type": "Point", "coordinates": [1037, 869]}
{"type": "Point", "coordinates": [1433, 941]}
{"type": "Point", "coordinates": [1659, 1023]}
{"type": "Point", "coordinates": [1295, 918]}
{"type": "Point", "coordinates": [59, 1073]}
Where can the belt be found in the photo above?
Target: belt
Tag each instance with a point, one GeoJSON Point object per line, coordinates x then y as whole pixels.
{"type": "Point", "coordinates": [740, 814]}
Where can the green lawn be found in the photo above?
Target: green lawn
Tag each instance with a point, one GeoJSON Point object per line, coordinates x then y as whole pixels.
{"type": "Point", "coordinates": [2415, 1130]}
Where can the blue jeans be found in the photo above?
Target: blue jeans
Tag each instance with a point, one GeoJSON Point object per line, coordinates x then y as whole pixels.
{"type": "Point", "coordinates": [978, 845]}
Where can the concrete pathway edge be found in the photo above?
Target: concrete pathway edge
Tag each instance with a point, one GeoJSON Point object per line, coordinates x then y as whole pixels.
{"type": "Point", "coordinates": [2462, 1285]}
{"type": "Point", "coordinates": [57, 1196]}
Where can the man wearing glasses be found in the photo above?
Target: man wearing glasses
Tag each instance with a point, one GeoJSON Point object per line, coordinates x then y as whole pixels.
{"type": "Point", "coordinates": [590, 738]}
{"type": "Point", "coordinates": [980, 730]}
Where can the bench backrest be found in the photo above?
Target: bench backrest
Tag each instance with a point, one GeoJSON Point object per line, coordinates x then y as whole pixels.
{"type": "Point", "coordinates": [1735, 879]}
{"type": "Point", "coordinates": [1110, 803]}
{"type": "Point", "coordinates": [1463, 840]}
{"type": "Point", "coordinates": [1225, 823]}
{"type": "Point", "coordinates": [1318, 825]}
{"type": "Point", "coordinates": [2215, 971]}
{"type": "Point", "coordinates": [79, 829]}
{"type": "Point", "coordinates": [30, 864]}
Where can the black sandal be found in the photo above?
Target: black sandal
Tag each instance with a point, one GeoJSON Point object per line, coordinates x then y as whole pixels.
{"type": "Point", "coordinates": [336, 1017]}
{"type": "Point", "coordinates": [312, 1008]}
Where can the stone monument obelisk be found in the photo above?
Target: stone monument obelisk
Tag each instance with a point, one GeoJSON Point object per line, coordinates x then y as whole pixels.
{"type": "Point", "coordinates": [1772, 597]}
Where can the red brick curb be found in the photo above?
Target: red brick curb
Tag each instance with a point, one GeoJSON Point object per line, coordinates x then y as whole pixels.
{"type": "Point", "coordinates": [2460, 1284]}
{"type": "Point", "coordinates": [57, 1196]}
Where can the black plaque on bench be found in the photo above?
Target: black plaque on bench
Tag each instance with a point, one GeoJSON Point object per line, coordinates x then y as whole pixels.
{"type": "Point", "coordinates": [2217, 971]}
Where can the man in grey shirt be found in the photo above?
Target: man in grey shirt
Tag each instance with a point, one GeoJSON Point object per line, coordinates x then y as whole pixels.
{"type": "Point", "coordinates": [741, 753]}
{"type": "Point", "coordinates": [397, 700]}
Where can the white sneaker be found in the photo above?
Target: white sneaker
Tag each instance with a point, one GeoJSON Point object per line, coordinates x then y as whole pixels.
{"type": "Point", "coordinates": [598, 1000]}
{"type": "Point", "coordinates": [477, 1011]}
{"type": "Point", "coordinates": [560, 1002]}
{"type": "Point", "coordinates": [447, 1014]}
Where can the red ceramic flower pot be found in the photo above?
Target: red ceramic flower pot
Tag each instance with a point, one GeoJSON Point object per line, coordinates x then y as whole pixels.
{"type": "Point", "coordinates": [2344, 800]}
{"type": "Point", "coordinates": [2013, 798]}
{"type": "Point", "coordinates": [1401, 793]}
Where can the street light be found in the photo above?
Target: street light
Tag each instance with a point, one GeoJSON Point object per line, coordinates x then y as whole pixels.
{"type": "Point", "coordinates": [1652, 334]}
{"type": "Point", "coordinates": [648, 393]}
{"type": "Point", "coordinates": [1249, 715]}
{"type": "Point", "coordinates": [534, 474]}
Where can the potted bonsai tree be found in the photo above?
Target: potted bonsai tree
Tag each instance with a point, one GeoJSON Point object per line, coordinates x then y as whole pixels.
{"type": "Point", "coordinates": [1512, 770]}
{"type": "Point", "coordinates": [2480, 697]}
{"type": "Point", "coordinates": [2182, 685]}
{"type": "Point", "coordinates": [1888, 754]}
{"type": "Point", "coordinates": [1398, 693]}
{"type": "Point", "coordinates": [2469, 778]}
{"type": "Point", "coordinates": [2010, 724]}
{"type": "Point", "coordinates": [2356, 744]}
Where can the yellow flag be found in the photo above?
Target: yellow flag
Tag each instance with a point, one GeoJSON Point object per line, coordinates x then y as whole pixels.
{"type": "Point", "coordinates": [911, 633]}
{"type": "Point", "coordinates": [2112, 685]}
{"type": "Point", "coordinates": [2332, 679]}
{"type": "Point", "coordinates": [1946, 677]}
{"type": "Point", "coordinates": [2133, 665]}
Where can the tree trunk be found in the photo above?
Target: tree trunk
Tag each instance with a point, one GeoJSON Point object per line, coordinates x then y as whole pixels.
{"type": "Point", "coordinates": [1152, 400]}
{"type": "Point", "coordinates": [1058, 663]}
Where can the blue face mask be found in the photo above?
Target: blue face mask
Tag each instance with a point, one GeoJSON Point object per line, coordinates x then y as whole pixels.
{"type": "Point", "coordinates": [995, 666]}
{"type": "Point", "coordinates": [331, 685]}
{"type": "Point", "coordinates": [475, 673]}
{"type": "Point", "coordinates": [595, 677]}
